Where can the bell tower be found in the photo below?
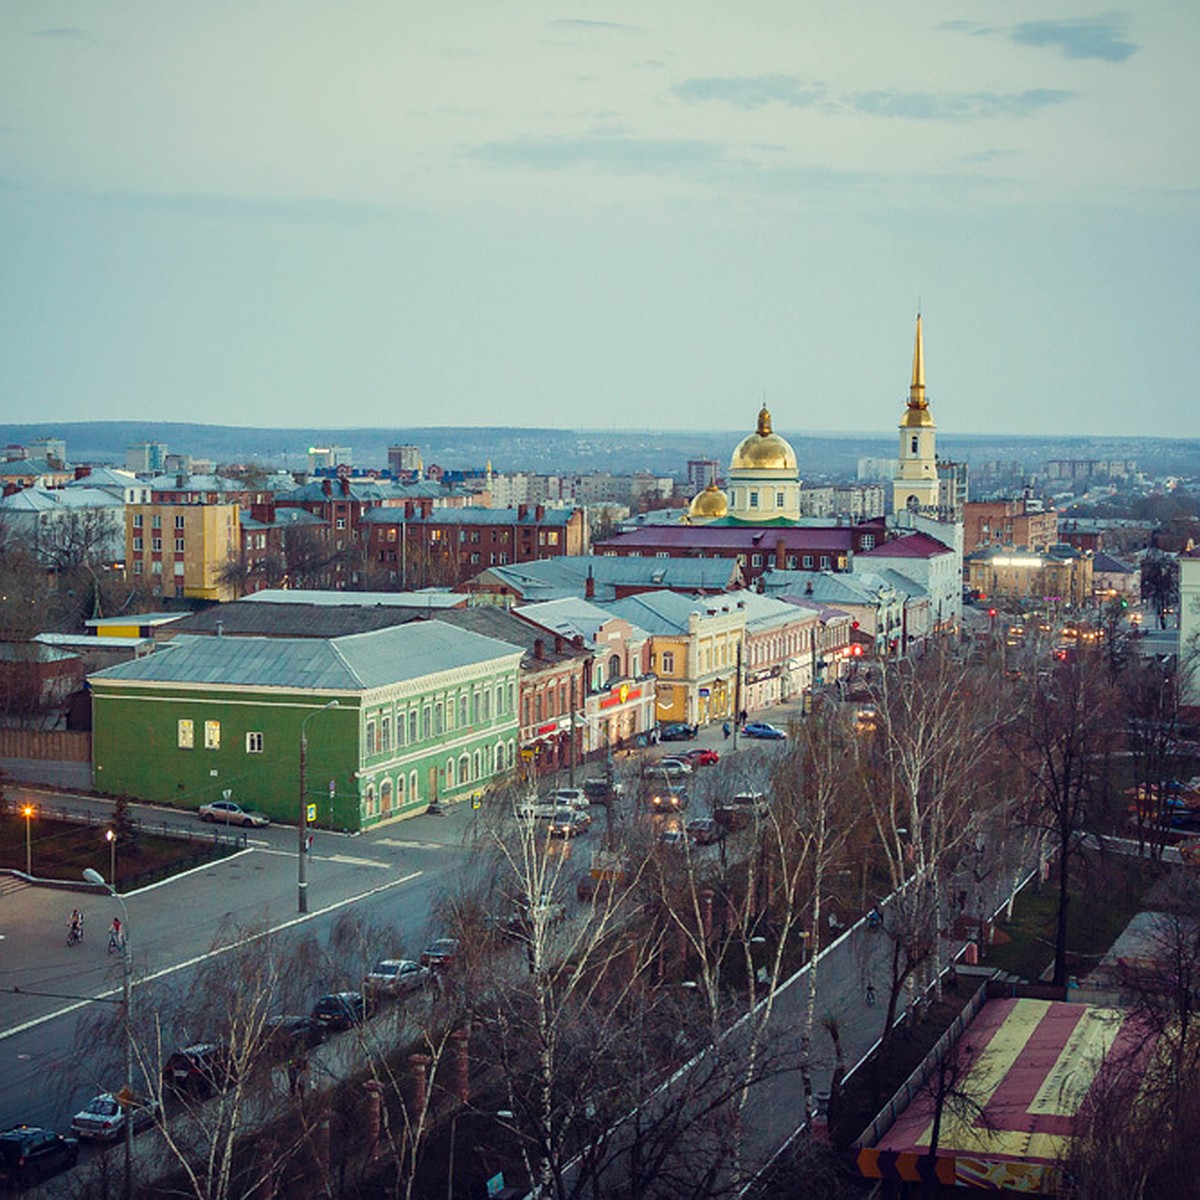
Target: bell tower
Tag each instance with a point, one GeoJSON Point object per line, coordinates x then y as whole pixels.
{"type": "Point", "coordinates": [915, 487]}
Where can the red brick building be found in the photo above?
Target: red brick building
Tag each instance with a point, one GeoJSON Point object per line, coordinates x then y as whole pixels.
{"type": "Point", "coordinates": [1007, 523]}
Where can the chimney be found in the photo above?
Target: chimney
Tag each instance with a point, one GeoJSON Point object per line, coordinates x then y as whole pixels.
{"type": "Point", "coordinates": [82, 472]}
{"type": "Point", "coordinates": [539, 648]}
{"type": "Point", "coordinates": [808, 588]}
{"type": "Point", "coordinates": [326, 487]}
{"type": "Point", "coordinates": [589, 587]}
{"type": "Point", "coordinates": [426, 506]}
{"type": "Point", "coordinates": [345, 485]}
{"type": "Point", "coordinates": [539, 513]}
{"type": "Point", "coordinates": [181, 480]}
{"type": "Point", "coordinates": [577, 641]}
{"type": "Point", "coordinates": [220, 629]}
{"type": "Point", "coordinates": [264, 511]}
{"type": "Point", "coordinates": [10, 489]}
{"type": "Point", "coordinates": [522, 511]}
{"type": "Point", "coordinates": [558, 643]}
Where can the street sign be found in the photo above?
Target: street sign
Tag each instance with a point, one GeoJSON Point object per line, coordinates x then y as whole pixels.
{"type": "Point", "coordinates": [332, 788]}
{"type": "Point", "coordinates": [477, 800]}
{"type": "Point", "coordinates": [312, 813]}
{"type": "Point", "coordinates": [704, 691]}
{"type": "Point", "coordinates": [495, 1185]}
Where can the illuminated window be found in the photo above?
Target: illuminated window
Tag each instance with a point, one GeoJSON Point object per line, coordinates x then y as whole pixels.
{"type": "Point", "coordinates": [187, 732]}
{"type": "Point", "coordinates": [212, 735]}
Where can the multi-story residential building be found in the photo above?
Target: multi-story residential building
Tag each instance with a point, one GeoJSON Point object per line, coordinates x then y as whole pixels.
{"type": "Point", "coordinates": [875, 605]}
{"type": "Point", "coordinates": [146, 458]}
{"type": "Point", "coordinates": [1089, 468]}
{"type": "Point", "coordinates": [1060, 575]}
{"type": "Point", "coordinates": [1189, 633]}
{"type": "Point", "coordinates": [50, 450]}
{"type": "Point", "coordinates": [931, 569]}
{"type": "Point", "coordinates": [419, 545]}
{"type": "Point", "coordinates": [618, 702]}
{"type": "Point", "coordinates": [183, 549]}
{"type": "Point", "coordinates": [1008, 523]}
{"type": "Point", "coordinates": [777, 656]}
{"type": "Point", "coordinates": [701, 472]}
{"type": "Point", "coordinates": [66, 527]}
{"type": "Point", "coordinates": [329, 458]}
{"type": "Point", "coordinates": [1113, 579]}
{"type": "Point", "coordinates": [393, 720]}
{"type": "Point", "coordinates": [404, 462]}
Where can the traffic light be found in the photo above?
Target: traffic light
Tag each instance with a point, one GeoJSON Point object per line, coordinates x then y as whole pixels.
{"type": "Point", "coordinates": [991, 612]}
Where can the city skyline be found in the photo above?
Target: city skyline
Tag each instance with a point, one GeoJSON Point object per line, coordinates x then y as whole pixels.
{"type": "Point", "coordinates": [278, 216]}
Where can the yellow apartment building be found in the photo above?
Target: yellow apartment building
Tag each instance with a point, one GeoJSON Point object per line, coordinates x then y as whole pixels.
{"type": "Point", "coordinates": [181, 549]}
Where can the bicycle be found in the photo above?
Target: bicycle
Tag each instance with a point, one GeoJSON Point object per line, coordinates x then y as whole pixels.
{"type": "Point", "coordinates": [74, 934]}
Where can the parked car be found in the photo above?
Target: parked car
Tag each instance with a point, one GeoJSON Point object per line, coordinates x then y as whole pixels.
{"type": "Point", "coordinates": [520, 924]}
{"type": "Point", "coordinates": [284, 1035]}
{"type": "Point", "coordinates": [600, 790]}
{"type": "Point", "coordinates": [677, 731]}
{"type": "Point", "coordinates": [232, 814]}
{"type": "Point", "coordinates": [673, 768]}
{"type": "Point", "coordinates": [394, 977]}
{"type": "Point", "coordinates": [440, 954]}
{"type": "Point", "coordinates": [762, 729]}
{"type": "Point", "coordinates": [702, 756]}
{"type": "Point", "coordinates": [673, 837]}
{"type": "Point", "coordinates": [29, 1154]}
{"type": "Point", "coordinates": [199, 1069]}
{"type": "Point", "coordinates": [571, 797]}
{"type": "Point", "coordinates": [704, 831]}
{"type": "Point", "coordinates": [102, 1118]}
{"type": "Point", "coordinates": [569, 822]}
{"type": "Point", "coordinates": [339, 1010]}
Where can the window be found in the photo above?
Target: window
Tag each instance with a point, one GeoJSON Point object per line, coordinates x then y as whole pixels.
{"type": "Point", "coordinates": [385, 734]}
{"type": "Point", "coordinates": [510, 706]}
{"type": "Point", "coordinates": [427, 721]}
{"type": "Point", "coordinates": [156, 567]}
{"type": "Point", "coordinates": [824, 562]}
{"type": "Point", "coordinates": [462, 712]}
{"type": "Point", "coordinates": [868, 541]}
{"type": "Point", "coordinates": [412, 725]}
{"type": "Point", "coordinates": [464, 769]}
{"type": "Point", "coordinates": [178, 569]}
{"type": "Point", "coordinates": [370, 737]}
{"type": "Point", "coordinates": [179, 545]}
{"type": "Point", "coordinates": [137, 567]}
{"type": "Point", "coordinates": [137, 520]}
{"type": "Point", "coordinates": [914, 443]}
{"type": "Point", "coordinates": [438, 718]}
{"type": "Point", "coordinates": [254, 743]}
{"type": "Point", "coordinates": [400, 791]}
{"type": "Point", "coordinates": [808, 561]}
{"type": "Point", "coordinates": [212, 735]}
{"type": "Point", "coordinates": [780, 500]}
{"type": "Point", "coordinates": [186, 736]}
{"type": "Point", "coordinates": [156, 522]}
{"type": "Point", "coordinates": [179, 521]}
{"type": "Point", "coordinates": [537, 707]}
{"type": "Point", "coordinates": [341, 522]}
{"type": "Point", "coordinates": [487, 706]}
{"type": "Point", "coordinates": [791, 561]}
{"type": "Point", "coordinates": [668, 662]}
{"type": "Point", "coordinates": [156, 544]}
{"type": "Point", "coordinates": [137, 543]}
{"type": "Point", "coordinates": [756, 560]}
{"type": "Point", "coordinates": [414, 793]}
{"type": "Point", "coordinates": [450, 772]}
{"type": "Point", "coordinates": [385, 796]}
{"type": "Point", "coordinates": [552, 537]}
{"type": "Point", "coordinates": [499, 698]}
{"type": "Point", "coordinates": [753, 499]}
{"type": "Point", "coordinates": [399, 730]}
{"type": "Point", "coordinates": [478, 766]}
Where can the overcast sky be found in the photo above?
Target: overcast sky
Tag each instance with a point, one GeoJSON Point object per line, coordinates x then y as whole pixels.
{"type": "Point", "coordinates": [642, 215]}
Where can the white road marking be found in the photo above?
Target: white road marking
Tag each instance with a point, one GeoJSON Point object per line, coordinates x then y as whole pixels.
{"type": "Point", "coordinates": [399, 845]}
{"type": "Point", "coordinates": [216, 862]}
{"type": "Point", "coordinates": [359, 862]}
{"type": "Point", "coordinates": [199, 958]}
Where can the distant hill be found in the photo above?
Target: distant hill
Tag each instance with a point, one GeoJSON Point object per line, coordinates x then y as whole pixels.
{"type": "Point", "coordinates": [820, 455]}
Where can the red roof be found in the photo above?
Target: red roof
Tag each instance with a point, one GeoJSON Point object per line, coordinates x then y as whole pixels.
{"type": "Point", "coordinates": [912, 545]}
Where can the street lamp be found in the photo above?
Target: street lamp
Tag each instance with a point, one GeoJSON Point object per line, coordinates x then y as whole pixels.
{"type": "Point", "coordinates": [91, 875]}
{"type": "Point", "coordinates": [110, 836]}
{"type": "Point", "coordinates": [302, 824]}
{"type": "Point", "coordinates": [27, 813]}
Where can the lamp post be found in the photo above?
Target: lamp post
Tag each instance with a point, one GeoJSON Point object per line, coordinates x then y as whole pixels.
{"type": "Point", "coordinates": [110, 836]}
{"type": "Point", "coordinates": [94, 877]}
{"type": "Point", "coordinates": [302, 824]}
{"type": "Point", "coordinates": [27, 813]}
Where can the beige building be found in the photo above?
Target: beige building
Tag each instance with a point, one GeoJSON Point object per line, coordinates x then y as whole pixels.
{"type": "Point", "coordinates": [182, 549]}
{"type": "Point", "coordinates": [1061, 575]}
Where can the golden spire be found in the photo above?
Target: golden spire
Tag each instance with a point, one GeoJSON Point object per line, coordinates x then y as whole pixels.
{"type": "Point", "coordinates": [916, 390]}
{"type": "Point", "coordinates": [764, 422]}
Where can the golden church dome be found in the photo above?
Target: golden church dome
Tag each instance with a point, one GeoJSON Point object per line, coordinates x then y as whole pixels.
{"type": "Point", "coordinates": [763, 450]}
{"type": "Point", "coordinates": [917, 416]}
{"type": "Point", "coordinates": [708, 505]}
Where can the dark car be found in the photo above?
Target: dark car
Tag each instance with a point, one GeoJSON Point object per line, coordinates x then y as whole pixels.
{"type": "Point", "coordinates": [339, 1010]}
{"type": "Point", "coordinates": [667, 800]}
{"type": "Point", "coordinates": [29, 1154]}
{"type": "Point", "coordinates": [704, 831]}
{"type": "Point", "coordinates": [395, 977]}
{"type": "Point", "coordinates": [677, 731]}
{"type": "Point", "coordinates": [762, 729]}
{"type": "Point", "coordinates": [102, 1119]}
{"type": "Point", "coordinates": [600, 790]}
{"type": "Point", "coordinates": [440, 954]}
{"type": "Point", "coordinates": [568, 823]}
{"type": "Point", "coordinates": [199, 1069]}
{"type": "Point", "coordinates": [284, 1035]}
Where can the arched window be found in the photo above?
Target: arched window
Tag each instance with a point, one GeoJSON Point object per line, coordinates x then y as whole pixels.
{"type": "Point", "coordinates": [537, 707]}
{"type": "Point", "coordinates": [370, 799]}
{"type": "Point", "coordinates": [385, 797]}
{"type": "Point", "coordinates": [478, 772]}
{"type": "Point", "coordinates": [414, 792]}
{"type": "Point", "coordinates": [512, 754]}
{"type": "Point", "coordinates": [427, 722]}
{"type": "Point", "coordinates": [449, 773]}
{"type": "Point", "coordinates": [399, 791]}
{"type": "Point", "coordinates": [464, 768]}
{"type": "Point", "coordinates": [614, 668]}
{"type": "Point", "coordinates": [438, 725]}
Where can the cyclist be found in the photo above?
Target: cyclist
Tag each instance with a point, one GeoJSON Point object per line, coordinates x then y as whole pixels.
{"type": "Point", "coordinates": [75, 926]}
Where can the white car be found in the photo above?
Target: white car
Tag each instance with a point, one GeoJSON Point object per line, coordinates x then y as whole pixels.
{"type": "Point", "coordinates": [102, 1119]}
{"type": "Point", "coordinates": [232, 814]}
{"type": "Point", "coordinates": [395, 977]}
{"type": "Point", "coordinates": [672, 768]}
{"type": "Point", "coordinates": [571, 797]}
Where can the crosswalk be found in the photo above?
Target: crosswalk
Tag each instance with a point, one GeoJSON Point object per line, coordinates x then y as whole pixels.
{"type": "Point", "coordinates": [10, 883]}
{"type": "Point", "coordinates": [397, 844]}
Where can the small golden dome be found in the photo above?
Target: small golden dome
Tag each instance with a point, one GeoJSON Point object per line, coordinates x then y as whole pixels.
{"type": "Point", "coordinates": [708, 505]}
{"type": "Point", "coordinates": [763, 450]}
{"type": "Point", "coordinates": [917, 416]}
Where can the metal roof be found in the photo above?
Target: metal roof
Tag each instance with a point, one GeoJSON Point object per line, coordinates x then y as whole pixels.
{"type": "Point", "coordinates": [427, 599]}
{"type": "Point", "coordinates": [566, 576]}
{"type": "Point", "coordinates": [352, 664]}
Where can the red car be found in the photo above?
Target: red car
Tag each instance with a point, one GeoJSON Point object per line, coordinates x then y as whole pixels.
{"type": "Point", "coordinates": [702, 757]}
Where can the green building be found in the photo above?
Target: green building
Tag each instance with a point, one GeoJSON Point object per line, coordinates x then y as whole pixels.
{"type": "Point", "coordinates": [423, 711]}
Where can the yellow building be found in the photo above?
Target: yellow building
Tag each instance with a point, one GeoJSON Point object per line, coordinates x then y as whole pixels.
{"type": "Point", "coordinates": [1061, 575]}
{"type": "Point", "coordinates": [694, 652]}
{"type": "Point", "coordinates": [181, 549]}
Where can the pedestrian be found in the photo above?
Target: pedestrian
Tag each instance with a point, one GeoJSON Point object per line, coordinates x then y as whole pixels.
{"type": "Point", "coordinates": [870, 994]}
{"type": "Point", "coordinates": [725, 730]}
{"type": "Point", "coordinates": [293, 1074]}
